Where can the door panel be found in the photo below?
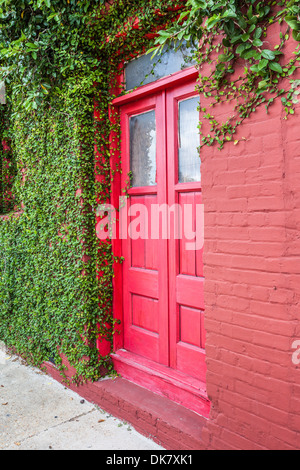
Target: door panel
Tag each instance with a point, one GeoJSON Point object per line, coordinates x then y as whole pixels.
{"type": "Point", "coordinates": [190, 261]}
{"type": "Point", "coordinates": [190, 291]}
{"type": "Point", "coordinates": [145, 313]}
{"type": "Point", "coordinates": [190, 335]}
{"type": "Point", "coordinates": [143, 249]}
{"type": "Point", "coordinates": [145, 266]}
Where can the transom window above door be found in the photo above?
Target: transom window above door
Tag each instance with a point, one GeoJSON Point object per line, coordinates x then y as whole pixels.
{"type": "Point", "coordinates": [145, 70]}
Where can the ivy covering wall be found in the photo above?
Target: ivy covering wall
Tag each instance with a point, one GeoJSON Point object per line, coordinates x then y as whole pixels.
{"type": "Point", "coordinates": [59, 60]}
{"type": "Point", "coordinates": [48, 290]}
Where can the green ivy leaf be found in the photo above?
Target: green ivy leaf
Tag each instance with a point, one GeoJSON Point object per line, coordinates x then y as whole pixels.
{"type": "Point", "coordinates": [257, 43]}
{"type": "Point", "coordinates": [267, 54]}
{"type": "Point", "coordinates": [263, 64]}
{"type": "Point", "coordinates": [258, 33]}
{"type": "Point", "coordinates": [276, 67]}
{"type": "Point", "coordinates": [293, 22]}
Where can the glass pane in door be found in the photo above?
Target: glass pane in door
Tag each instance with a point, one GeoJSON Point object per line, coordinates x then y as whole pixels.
{"type": "Point", "coordinates": [189, 141]}
{"type": "Point", "coordinates": [143, 149]}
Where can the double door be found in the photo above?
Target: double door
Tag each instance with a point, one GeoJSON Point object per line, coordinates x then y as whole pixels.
{"type": "Point", "coordinates": [162, 230]}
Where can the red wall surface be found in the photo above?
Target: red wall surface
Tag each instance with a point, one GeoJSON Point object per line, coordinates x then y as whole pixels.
{"type": "Point", "coordinates": [251, 197]}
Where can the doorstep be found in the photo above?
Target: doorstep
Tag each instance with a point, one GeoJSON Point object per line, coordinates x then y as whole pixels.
{"type": "Point", "coordinates": [169, 424]}
{"type": "Point", "coordinates": [175, 385]}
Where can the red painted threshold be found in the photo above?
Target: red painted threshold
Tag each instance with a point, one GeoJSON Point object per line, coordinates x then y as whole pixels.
{"type": "Point", "coordinates": [169, 424]}
{"type": "Point", "coordinates": [177, 386]}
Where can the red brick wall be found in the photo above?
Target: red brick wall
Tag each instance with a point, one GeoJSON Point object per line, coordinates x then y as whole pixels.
{"type": "Point", "coordinates": [252, 271]}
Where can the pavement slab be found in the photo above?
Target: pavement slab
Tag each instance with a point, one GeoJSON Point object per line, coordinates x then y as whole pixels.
{"type": "Point", "coordinates": [38, 413]}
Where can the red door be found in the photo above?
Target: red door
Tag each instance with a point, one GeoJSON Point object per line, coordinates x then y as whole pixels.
{"type": "Point", "coordinates": [145, 275]}
{"type": "Point", "coordinates": [163, 271]}
{"type": "Point", "coordinates": [186, 282]}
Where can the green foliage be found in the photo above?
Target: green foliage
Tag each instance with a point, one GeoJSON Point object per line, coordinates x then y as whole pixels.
{"type": "Point", "coordinates": [56, 58]}
{"type": "Point", "coordinates": [46, 305]}
{"type": "Point", "coordinates": [44, 43]}
{"type": "Point", "coordinates": [233, 35]}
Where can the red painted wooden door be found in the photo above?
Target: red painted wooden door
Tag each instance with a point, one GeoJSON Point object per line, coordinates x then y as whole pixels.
{"type": "Point", "coordinates": [186, 282]}
{"type": "Point", "coordinates": [145, 276]}
{"type": "Point", "coordinates": [162, 272]}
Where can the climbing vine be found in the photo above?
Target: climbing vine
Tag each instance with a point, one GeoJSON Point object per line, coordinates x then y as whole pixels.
{"type": "Point", "coordinates": [60, 61]}
{"type": "Point", "coordinates": [247, 66]}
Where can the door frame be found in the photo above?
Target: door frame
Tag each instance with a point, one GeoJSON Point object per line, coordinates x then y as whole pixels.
{"type": "Point", "coordinates": [160, 379]}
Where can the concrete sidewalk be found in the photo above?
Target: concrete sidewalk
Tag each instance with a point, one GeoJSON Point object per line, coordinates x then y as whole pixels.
{"type": "Point", "coordinates": [38, 413]}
